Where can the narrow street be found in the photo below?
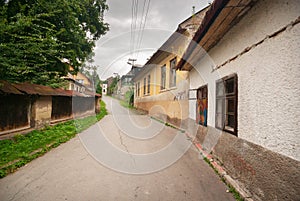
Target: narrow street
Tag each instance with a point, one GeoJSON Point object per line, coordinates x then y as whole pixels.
{"type": "Point", "coordinates": [132, 166]}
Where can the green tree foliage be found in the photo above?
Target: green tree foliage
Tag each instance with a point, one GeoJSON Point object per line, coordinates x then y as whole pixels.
{"type": "Point", "coordinates": [90, 70]}
{"type": "Point", "coordinates": [113, 86]}
{"type": "Point", "coordinates": [39, 37]}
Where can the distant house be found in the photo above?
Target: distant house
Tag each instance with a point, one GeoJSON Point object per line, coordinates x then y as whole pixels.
{"type": "Point", "coordinates": [111, 82]}
{"type": "Point", "coordinates": [160, 89]}
{"type": "Point", "coordinates": [243, 66]}
{"type": "Point", "coordinates": [79, 82]}
{"type": "Point", "coordinates": [30, 106]}
{"type": "Point", "coordinates": [125, 83]}
{"type": "Point", "coordinates": [104, 88]}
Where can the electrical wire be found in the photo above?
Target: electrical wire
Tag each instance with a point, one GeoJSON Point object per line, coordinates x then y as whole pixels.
{"type": "Point", "coordinates": [134, 10]}
{"type": "Point", "coordinates": [137, 32]}
{"type": "Point", "coordinates": [144, 24]}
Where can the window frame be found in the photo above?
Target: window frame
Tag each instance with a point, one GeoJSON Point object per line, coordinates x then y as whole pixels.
{"type": "Point", "coordinates": [163, 78]}
{"type": "Point", "coordinates": [172, 73]}
{"type": "Point", "coordinates": [145, 86]}
{"type": "Point", "coordinates": [224, 96]}
{"type": "Point", "coordinates": [148, 84]}
{"type": "Point", "coordinates": [138, 89]}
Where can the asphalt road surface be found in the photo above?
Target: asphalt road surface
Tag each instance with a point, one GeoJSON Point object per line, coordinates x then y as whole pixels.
{"type": "Point", "coordinates": [126, 156]}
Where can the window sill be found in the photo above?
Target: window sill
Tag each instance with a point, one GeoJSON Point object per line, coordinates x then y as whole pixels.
{"type": "Point", "coordinates": [167, 89]}
{"type": "Point", "coordinates": [163, 90]}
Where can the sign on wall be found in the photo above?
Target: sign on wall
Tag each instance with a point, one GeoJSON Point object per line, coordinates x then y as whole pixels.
{"type": "Point", "coordinates": [192, 94]}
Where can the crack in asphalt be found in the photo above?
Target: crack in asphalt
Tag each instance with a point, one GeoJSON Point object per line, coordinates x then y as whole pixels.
{"type": "Point", "coordinates": [84, 157]}
{"type": "Point", "coordinates": [122, 143]}
{"type": "Point", "coordinates": [125, 146]}
{"type": "Point", "coordinates": [30, 182]}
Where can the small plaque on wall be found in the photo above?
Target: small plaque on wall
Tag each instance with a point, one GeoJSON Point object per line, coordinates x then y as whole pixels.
{"type": "Point", "coordinates": [192, 94]}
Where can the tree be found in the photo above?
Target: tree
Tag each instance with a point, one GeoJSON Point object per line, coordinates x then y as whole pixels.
{"type": "Point", "coordinates": [113, 85]}
{"type": "Point", "coordinates": [40, 39]}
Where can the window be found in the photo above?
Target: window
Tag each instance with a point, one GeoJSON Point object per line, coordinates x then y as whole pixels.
{"type": "Point", "coordinates": [81, 81]}
{"type": "Point", "coordinates": [163, 78]}
{"type": "Point", "coordinates": [172, 73]}
{"type": "Point", "coordinates": [202, 102]}
{"type": "Point", "coordinates": [145, 81]}
{"type": "Point", "coordinates": [149, 82]}
{"type": "Point", "coordinates": [138, 89]}
{"type": "Point", "coordinates": [226, 104]}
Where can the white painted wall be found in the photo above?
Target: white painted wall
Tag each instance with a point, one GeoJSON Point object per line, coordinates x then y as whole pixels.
{"type": "Point", "coordinates": [268, 76]}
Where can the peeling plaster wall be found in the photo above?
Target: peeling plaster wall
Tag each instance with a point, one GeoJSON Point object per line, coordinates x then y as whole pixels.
{"type": "Point", "coordinates": [170, 103]}
{"type": "Point", "coordinates": [268, 76]}
{"type": "Point", "coordinates": [41, 111]}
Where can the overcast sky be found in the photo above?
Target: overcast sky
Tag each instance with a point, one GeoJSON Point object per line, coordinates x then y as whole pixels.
{"type": "Point", "coordinates": [115, 48]}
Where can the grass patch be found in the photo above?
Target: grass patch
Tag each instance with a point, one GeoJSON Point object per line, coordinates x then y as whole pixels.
{"type": "Point", "coordinates": [232, 190]}
{"type": "Point", "coordinates": [168, 124]}
{"type": "Point", "coordinates": [21, 149]}
{"type": "Point", "coordinates": [126, 104]}
{"type": "Point", "coordinates": [128, 99]}
{"type": "Point", "coordinates": [236, 194]}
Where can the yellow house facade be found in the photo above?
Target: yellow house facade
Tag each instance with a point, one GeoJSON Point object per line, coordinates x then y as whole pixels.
{"type": "Point", "coordinates": [160, 89]}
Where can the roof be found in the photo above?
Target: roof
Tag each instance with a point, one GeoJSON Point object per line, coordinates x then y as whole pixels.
{"type": "Point", "coordinates": [34, 89]}
{"type": "Point", "coordinates": [184, 28]}
{"type": "Point", "coordinates": [221, 16]}
{"type": "Point", "coordinates": [160, 54]}
{"type": "Point", "coordinates": [7, 88]}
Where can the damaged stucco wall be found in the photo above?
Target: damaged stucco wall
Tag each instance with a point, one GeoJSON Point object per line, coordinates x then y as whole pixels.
{"type": "Point", "coordinates": [41, 111]}
{"type": "Point", "coordinates": [263, 50]}
{"type": "Point", "coordinates": [261, 173]}
{"type": "Point", "coordinates": [170, 103]}
{"type": "Point", "coordinates": [268, 75]}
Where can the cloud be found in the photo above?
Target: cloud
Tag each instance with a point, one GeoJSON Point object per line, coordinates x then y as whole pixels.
{"type": "Point", "coordinates": [163, 19]}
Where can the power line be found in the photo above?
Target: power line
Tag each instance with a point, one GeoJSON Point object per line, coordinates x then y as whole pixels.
{"type": "Point", "coordinates": [137, 26]}
{"type": "Point", "coordinates": [141, 23]}
{"type": "Point", "coordinates": [144, 24]}
{"type": "Point", "coordinates": [134, 9]}
{"type": "Point", "coordinates": [133, 24]}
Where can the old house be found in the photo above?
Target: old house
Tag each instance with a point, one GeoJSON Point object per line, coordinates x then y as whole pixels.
{"type": "Point", "coordinates": [17, 108]}
{"type": "Point", "coordinates": [104, 88]}
{"type": "Point", "coordinates": [243, 65]}
{"type": "Point", "coordinates": [28, 106]}
{"type": "Point", "coordinates": [111, 84]}
{"type": "Point", "coordinates": [160, 89]}
{"type": "Point", "coordinates": [79, 82]}
{"type": "Point", "coordinates": [125, 83]}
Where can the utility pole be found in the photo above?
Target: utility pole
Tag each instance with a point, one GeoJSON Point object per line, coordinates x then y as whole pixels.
{"type": "Point", "coordinates": [131, 61]}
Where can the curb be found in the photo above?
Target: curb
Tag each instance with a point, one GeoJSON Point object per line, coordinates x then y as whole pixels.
{"type": "Point", "coordinates": [213, 162]}
{"type": "Point", "coordinates": [220, 170]}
